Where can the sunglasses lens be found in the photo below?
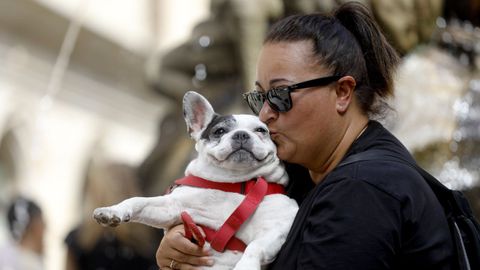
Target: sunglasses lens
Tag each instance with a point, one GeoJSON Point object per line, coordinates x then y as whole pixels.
{"type": "Point", "coordinates": [279, 99]}
{"type": "Point", "coordinates": [255, 101]}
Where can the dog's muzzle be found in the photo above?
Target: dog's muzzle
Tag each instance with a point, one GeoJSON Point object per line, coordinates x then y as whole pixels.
{"type": "Point", "coordinates": [240, 139]}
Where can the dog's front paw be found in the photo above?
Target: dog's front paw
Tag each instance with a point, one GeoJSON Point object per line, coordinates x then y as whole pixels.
{"type": "Point", "coordinates": [109, 216]}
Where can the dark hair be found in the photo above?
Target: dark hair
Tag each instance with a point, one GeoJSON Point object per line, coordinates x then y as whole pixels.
{"type": "Point", "coordinates": [20, 214]}
{"type": "Point", "coordinates": [348, 42]}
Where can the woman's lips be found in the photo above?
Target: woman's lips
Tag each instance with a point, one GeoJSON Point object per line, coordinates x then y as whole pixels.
{"type": "Point", "coordinates": [274, 136]}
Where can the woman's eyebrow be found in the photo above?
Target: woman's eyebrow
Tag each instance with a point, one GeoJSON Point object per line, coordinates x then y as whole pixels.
{"type": "Point", "coordinates": [272, 82]}
{"type": "Point", "coordinates": [257, 83]}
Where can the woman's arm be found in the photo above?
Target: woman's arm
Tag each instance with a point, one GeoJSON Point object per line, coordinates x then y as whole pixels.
{"type": "Point", "coordinates": [186, 255]}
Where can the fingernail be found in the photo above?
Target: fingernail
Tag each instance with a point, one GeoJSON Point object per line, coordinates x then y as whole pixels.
{"type": "Point", "coordinates": [210, 262]}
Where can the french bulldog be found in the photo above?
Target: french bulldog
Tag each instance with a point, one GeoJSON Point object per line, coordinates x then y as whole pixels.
{"type": "Point", "coordinates": [231, 149]}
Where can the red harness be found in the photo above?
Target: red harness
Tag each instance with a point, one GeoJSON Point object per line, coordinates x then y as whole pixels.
{"type": "Point", "coordinates": [224, 238]}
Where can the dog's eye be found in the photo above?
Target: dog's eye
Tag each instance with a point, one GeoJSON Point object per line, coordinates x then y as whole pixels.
{"type": "Point", "coordinates": [219, 131]}
{"type": "Point", "coordinates": [261, 130]}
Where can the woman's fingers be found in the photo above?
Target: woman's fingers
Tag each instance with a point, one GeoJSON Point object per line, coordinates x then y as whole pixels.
{"type": "Point", "coordinates": [185, 254]}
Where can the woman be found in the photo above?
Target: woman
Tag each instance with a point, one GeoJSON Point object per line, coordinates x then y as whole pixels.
{"type": "Point", "coordinates": [320, 81]}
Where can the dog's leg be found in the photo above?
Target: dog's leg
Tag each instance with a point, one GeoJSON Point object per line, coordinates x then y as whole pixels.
{"type": "Point", "coordinates": [159, 212]}
{"type": "Point", "coordinates": [261, 251]}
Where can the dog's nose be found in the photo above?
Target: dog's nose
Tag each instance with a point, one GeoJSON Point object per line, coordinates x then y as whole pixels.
{"type": "Point", "coordinates": [241, 136]}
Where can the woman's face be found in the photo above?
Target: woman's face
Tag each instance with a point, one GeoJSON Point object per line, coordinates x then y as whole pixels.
{"type": "Point", "coordinates": [307, 134]}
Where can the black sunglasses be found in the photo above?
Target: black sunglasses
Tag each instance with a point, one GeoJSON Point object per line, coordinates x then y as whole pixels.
{"type": "Point", "coordinates": [279, 98]}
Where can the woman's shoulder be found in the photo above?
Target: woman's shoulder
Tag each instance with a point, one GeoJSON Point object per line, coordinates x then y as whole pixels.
{"type": "Point", "coordinates": [395, 177]}
{"type": "Point", "coordinates": [386, 164]}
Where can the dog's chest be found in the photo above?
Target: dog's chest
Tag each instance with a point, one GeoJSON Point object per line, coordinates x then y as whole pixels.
{"type": "Point", "coordinates": [207, 203]}
{"type": "Point", "coordinates": [211, 207]}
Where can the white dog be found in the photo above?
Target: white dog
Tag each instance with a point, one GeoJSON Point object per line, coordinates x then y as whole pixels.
{"type": "Point", "coordinates": [231, 150]}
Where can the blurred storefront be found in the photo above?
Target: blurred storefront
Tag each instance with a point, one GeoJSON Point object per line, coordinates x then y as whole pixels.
{"type": "Point", "coordinates": [73, 88]}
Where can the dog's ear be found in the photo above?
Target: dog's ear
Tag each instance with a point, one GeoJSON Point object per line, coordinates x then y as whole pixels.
{"type": "Point", "coordinates": [197, 112]}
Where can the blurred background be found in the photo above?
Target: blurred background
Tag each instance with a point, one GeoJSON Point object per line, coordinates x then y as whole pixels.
{"type": "Point", "coordinates": [90, 98]}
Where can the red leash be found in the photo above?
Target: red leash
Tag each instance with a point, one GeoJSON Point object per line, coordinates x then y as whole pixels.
{"type": "Point", "coordinates": [225, 238]}
{"type": "Point", "coordinates": [192, 231]}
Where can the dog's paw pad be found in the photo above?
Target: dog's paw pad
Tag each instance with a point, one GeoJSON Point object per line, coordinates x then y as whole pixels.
{"type": "Point", "coordinates": [106, 217]}
{"type": "Point", "coordinates": [114, 221]}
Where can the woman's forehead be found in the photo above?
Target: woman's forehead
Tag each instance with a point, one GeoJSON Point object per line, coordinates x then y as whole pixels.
{"type": "Point", "coordinates": [287, 62]}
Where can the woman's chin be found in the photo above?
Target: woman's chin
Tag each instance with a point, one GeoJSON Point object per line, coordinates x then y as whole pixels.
{"type": "Point", "coordinates": [283, 155]}
{"type": "Point", "coordinates": [285, 149]}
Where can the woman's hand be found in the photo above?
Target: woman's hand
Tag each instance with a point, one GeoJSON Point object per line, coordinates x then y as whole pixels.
{"type": "Point", "coordinates": [177, 252]}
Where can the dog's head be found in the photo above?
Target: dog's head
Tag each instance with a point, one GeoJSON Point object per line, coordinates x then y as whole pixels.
{"type": "Point", "coordinates": [238, 143]}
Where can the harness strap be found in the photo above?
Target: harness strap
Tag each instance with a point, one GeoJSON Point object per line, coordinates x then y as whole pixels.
{"type": "Point", "coordinates": [193, 233]}
{"type": "Point", "coordinates": [240, 215]}
{"type": "Point", "coordinates": [241, 187]}
{"type": "Point", "coordinates": [225, 238]}
{"type": "Point", "coordinates": [233, 244]}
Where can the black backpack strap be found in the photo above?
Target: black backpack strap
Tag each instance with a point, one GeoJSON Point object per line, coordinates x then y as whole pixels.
{"type": "Point", "coordinates": [465, 229]}
{"type": "Point", "coordinates": [442, 192]}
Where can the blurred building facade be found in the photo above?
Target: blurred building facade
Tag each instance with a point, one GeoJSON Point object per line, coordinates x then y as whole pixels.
{"type": "Point", "coordinates": [57, 113]}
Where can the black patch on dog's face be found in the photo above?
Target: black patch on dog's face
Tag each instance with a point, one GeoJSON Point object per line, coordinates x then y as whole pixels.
{"type": "Point", "coordinates": [219, 126]}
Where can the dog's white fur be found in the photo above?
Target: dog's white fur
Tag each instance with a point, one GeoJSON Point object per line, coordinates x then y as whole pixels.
{"type": "Point", "coordinates": [231, 149]}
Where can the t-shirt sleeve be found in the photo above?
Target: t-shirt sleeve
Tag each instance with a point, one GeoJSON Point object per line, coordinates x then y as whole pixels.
{"type": "Point", "coordinates": [352, 225]}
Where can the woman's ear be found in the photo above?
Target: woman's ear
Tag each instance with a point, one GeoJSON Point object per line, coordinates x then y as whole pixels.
{"type": "Point", "coordinates": [345, 91]}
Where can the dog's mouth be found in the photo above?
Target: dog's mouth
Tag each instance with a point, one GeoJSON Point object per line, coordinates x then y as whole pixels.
{"type": "Point", "coordinates": [243, 155]}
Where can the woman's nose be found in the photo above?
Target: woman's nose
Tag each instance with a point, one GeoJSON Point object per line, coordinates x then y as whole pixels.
{"type": "Point", "coordinates": [267, 114]}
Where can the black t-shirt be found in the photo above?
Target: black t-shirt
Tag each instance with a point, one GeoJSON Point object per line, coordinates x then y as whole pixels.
{"type": "Point", "coordinates": [370, 215]}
